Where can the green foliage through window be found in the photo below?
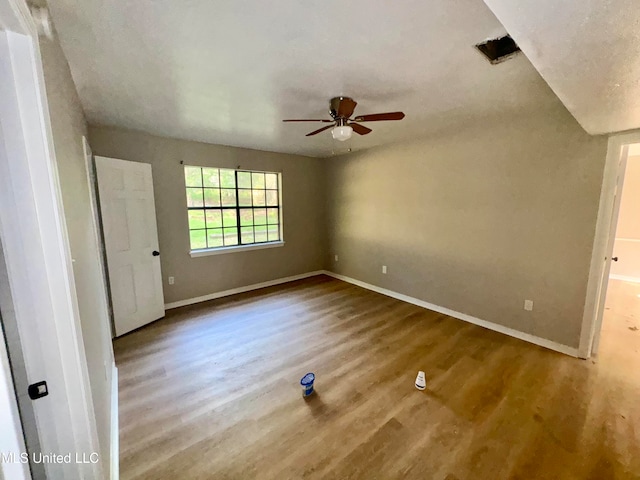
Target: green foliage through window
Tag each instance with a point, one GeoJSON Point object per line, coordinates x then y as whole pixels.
{"type": "Point", "coordinates": [232, 207]}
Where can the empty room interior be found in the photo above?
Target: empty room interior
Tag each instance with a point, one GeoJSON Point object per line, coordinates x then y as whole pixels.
{"type": "Point", "coordinates": [321, 240]}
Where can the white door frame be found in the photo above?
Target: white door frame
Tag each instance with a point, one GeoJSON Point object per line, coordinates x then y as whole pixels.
{"type": "Point", "coordinates": [36, 247]}
{"type": "Point", "coordinates": [609, 208]}
{"type": "Point", "coordinates": [92, 183]}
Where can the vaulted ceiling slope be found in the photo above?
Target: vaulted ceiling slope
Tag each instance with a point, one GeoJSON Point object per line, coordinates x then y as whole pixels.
{"type": "Point", "coordinates": [588, 51]}
{"type": "Point", "coordinates": [228, 72]}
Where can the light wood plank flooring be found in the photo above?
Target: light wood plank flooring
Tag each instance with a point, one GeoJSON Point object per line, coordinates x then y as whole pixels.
{"type": "Point", "coordinates": [212, 392]}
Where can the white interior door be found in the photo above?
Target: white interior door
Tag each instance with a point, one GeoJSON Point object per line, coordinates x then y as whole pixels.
{"type": "Point", "coordinates": [131, 240]}
{"type": "Point", "coordinates": [611, 235]}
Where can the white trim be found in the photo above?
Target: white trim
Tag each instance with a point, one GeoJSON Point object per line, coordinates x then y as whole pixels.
{"type": "Point", "coordinates": [15, 16]}
{"type": "Point", "coordinates": [37, 255]}
{"type": "Point", "coordinates": [234, 249]}
{"type": "Point", "coordinates": [115, 426]}
{"type": "Point", "coordinates": [281, 207]}
{"type": "Point", "coordinates": [543, 342]}
{"type": "Point", "coordinates": [248, 288]}
{"type": "Point", "coordinates": [604, 241]}
{"type": "Point", "coordinates": [96, 223]}
{"type": "Point", "coordinates": [624, 278]}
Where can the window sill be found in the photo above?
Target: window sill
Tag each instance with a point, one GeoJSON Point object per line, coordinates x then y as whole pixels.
{"type": "Point", "coordinates": [241, 248]}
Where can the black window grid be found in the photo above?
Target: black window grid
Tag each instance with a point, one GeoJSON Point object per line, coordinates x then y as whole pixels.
{"type": "Point", "coordinates": [239, 227]}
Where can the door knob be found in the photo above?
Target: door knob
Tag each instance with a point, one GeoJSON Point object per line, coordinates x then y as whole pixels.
{"type": "Point", "coordinates": [615, 259]}
{"type": "Point", "coordinates": [156, 253]}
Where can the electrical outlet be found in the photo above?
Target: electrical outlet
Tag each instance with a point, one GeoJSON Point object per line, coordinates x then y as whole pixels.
{"type": "Point", "coordinates": [384, 269]}
{"type": "Point", "coordinates": [336, 257]}
{"type": "Point", "coordinates": [528, 305]}
{"type": "Point", "coordinates": [172, 280]}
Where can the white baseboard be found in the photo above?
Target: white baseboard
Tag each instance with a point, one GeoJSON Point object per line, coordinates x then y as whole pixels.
{"type": "Point", "coordinates": [624, 278]}
{"type": "Point", "coordinates": [543, 342]}
{"type": "Point", "coordinates": [115, 429]}
{"type": "Point", "coordinates": [461, 316]}
{"type": "Point", "coordinates": [233, 291]}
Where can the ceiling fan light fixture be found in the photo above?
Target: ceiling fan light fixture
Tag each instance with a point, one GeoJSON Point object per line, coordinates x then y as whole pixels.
{"type": "Point", "coordinates": [341, 109]}
{"type": "Point", "coordinates": [342, 133]}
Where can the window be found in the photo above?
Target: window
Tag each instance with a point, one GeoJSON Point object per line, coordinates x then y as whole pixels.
{"type": "Point", "coordinates": [229, 208]}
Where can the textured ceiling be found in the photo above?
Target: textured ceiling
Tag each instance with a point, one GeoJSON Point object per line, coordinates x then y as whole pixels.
{"type": "Point", "coordinates": [589, 53]}
{"type": "Point", "coordinates": [229, 72]}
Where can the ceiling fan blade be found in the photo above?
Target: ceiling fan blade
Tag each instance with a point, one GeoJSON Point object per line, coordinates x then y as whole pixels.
{"type": "Point", "coordinates": [360, 129]}
{"type": "Point", "coordinates": [309, 120]}
{"type": "Point", "coordinates": [315, 132]}
{"type": "Point", "coordinates": [380, 116]}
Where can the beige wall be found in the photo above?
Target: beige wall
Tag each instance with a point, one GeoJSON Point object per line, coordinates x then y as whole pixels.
{"type": "Point", "coordinates": [627, 243]}
{"type": "Point", "coordinates": [476, 220]}
{"type": "Point", "coordinates": [303, 210]}
{"type": "Point", "coordinates": [68, 126]}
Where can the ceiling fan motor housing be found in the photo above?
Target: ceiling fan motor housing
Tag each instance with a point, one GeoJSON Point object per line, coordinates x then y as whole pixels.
{"type": "Point", "coordinates": [342, 107]}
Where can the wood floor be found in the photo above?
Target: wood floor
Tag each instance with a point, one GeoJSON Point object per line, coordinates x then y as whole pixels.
{"type": "Point", "coordinates": [212, 392]}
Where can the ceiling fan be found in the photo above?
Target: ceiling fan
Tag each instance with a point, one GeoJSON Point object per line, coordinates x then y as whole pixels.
{"type": "Point", "coordinates": [343, 125]}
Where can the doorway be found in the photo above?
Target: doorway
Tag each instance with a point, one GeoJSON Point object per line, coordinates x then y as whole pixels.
{"type": "Point", "coordinates": [620, 333]}
{"type": "Point", "coordinates": [613, 273]}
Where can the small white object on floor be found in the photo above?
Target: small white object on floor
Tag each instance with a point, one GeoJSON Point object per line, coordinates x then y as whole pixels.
{"type": "Point", "coordinates": [421, 383]}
